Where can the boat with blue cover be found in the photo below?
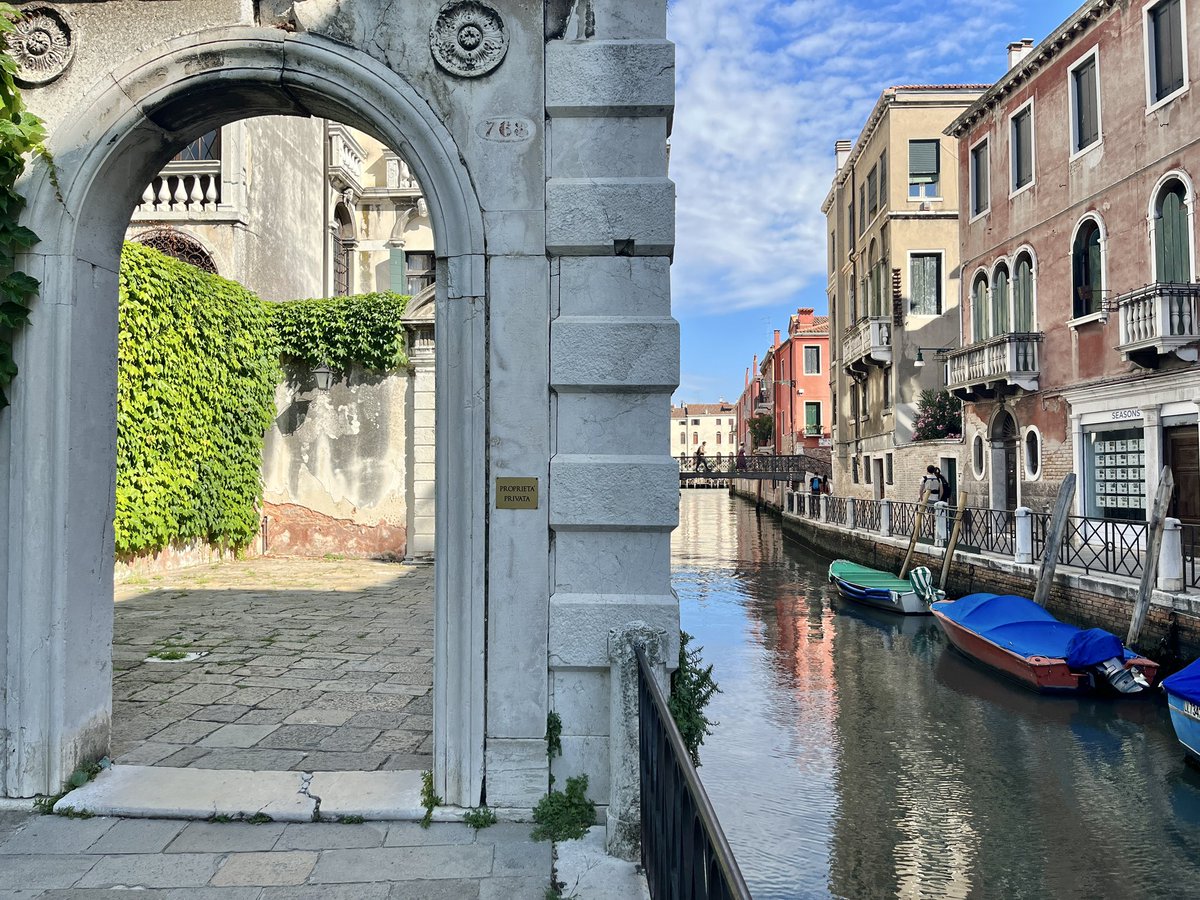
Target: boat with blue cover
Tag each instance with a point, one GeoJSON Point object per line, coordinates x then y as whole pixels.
{"type": "Point", "coordinates": [1022, 640]}
{"type": "Point", "coordinates": [883, 590]}
{"type": "Point", "coordinates": [1183, 697]}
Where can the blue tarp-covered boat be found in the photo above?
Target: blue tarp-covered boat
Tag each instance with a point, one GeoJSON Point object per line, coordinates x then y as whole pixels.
{"type": "Point", "coordinates": [1021, 639]}
{"type": "Point", "coordinates": [1183, 696]}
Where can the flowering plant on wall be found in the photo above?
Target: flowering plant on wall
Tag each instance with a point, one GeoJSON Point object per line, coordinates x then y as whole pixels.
{"type": "Point", "coordinates": [939, 417]}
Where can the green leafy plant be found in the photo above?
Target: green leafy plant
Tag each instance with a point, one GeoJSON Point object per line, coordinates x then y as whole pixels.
{"type": "Point", "coordinates": [939, 417]}
{"type": "Point", "coordinates": [564, 815]}
{"type": "Point", "coordinates": [429, 799]}
{"type": "Point", "coordinates": [480, 817]}
{"type": "Point", "coordinates": [762, 429]}
{"type": "Point", "coordinates": [692, 688]}
{"type": "Point", "coordinates": [350, 820]}
{"type": "Point", "coordinates": [195, 396]}
{"type": "Point", "coordinates": [339, 331]}
{"type": "Point", "coordinates": [553, 735]}
{"type": "Point", "coordinates": [21, 133]}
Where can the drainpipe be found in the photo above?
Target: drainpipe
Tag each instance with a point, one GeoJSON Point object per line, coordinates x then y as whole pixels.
{"type": "Point", "coordinates": [325, 243]}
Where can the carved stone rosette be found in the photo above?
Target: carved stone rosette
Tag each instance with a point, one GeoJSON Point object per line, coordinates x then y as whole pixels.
{"type": "Point", "coordinates": [41, 44]}
{"type": "Point", "coordinates": [468, 38]}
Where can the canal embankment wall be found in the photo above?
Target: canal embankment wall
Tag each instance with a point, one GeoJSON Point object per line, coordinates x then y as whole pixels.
{"type": "Point", "coordinates": [1095, 600]}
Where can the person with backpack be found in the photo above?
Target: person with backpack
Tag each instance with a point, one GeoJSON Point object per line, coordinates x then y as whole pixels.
{"type": "Point", "coordinates": [931, 485]}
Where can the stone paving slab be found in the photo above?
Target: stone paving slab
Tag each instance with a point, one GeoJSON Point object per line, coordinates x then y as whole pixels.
{"type": "Point", "coordinates": [280, 643]}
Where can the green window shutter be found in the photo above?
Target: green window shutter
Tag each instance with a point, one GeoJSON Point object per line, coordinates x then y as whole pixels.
{"type": "Point", "coordinates": [1087, 121]}
{"type": "Point", "coordinates": [812, 416]}
{"type": "Point", "coordinates": [873, 192]}
{"type": "Point", "coordinates": [979, 311]}
{"type": "Point", "coordinates": [1168, 48]}
{"type": "Point", "coordinates": [981, 187]}
{"type": "Point", "coordinates": [883, 197]}
{"type": "Point", "coordinates": [923, 161]}
{"type": "Point", "coordinates": [1095, 271]}
{"type": "Point", "coordinates": [926, 284]}
{"type": "Point", "coordinates": [1171, 238]}
{"type": "Point", "coordinates": [396, 270]}
{"type": "Point", "coordinates": [1022, 137]}
{"type": "Point", "coordinates": [1023, 297]}
{"type": "Point", "coordinates": [1000, 302]}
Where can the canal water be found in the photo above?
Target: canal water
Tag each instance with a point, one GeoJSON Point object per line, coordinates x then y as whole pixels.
{"type": "Point", "coordinates": [858, 756]}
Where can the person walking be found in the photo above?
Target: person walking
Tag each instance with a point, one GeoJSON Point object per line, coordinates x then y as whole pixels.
{"type": "Point", "coordinates": [931, 486]}
{"type": "Point", "coordinates": [701, 463]}
{"type": "Point", "coordinates": [741, 458]}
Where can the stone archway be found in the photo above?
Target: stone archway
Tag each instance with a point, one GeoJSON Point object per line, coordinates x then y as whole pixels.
{"type": "Point", "coordinates": [57, 512]}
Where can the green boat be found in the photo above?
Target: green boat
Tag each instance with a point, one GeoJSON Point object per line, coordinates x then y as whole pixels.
{"type": "Point", "coordinates": [883, 590]}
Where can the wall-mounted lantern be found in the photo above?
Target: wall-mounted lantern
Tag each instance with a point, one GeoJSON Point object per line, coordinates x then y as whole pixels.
{"type": "Point", "coordinates": [324, 376]}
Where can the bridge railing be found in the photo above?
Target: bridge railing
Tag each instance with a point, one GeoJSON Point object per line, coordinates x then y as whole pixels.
{"type": "Point", "coordinates": [684, 850]}
{"type": "Point", "coordinates": [797, 465]}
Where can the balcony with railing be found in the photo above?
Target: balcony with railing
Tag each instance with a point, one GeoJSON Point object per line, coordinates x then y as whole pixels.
{"type": "Point", "coordinates": [183, 190]}
{"type": "Point", "coordinates": [997, 366]}
{"type": "Point", "coordinates": [347, 159]}
{"type": "Point", "coordinates": [1157, 320]}
{"type": "Point", "coordinates": [867, 343]}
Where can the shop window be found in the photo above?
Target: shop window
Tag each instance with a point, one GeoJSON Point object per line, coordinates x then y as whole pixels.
{"type": "Point", "coordinates": [1115, 474]}
{"type": "Point", "coordinates": [1033, 455]}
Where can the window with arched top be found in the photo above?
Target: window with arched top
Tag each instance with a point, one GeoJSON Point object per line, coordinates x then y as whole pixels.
{"type": "Point", "coordinates": [1173, 260]}
{"type": "Point", "coordinates": [178, 245]}
{"type": "Point", "coordinates": [979, 301]}
{"type": "Point", "coordinates": [1087, 278]}
{"type": "Point", "coordinates": [1022, 290]}
{"type": "Point", "coordinates": [343, 250]}
{"type": "Point", "coordinates": [1000, 299]}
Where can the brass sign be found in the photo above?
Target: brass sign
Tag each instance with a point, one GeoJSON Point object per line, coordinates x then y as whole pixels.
{"type": "Point", "coordinates": [516, 493]}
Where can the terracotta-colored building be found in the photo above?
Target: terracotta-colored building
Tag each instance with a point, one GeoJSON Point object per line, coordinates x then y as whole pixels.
{"type": "Point", "coordinates": [1079, 275]}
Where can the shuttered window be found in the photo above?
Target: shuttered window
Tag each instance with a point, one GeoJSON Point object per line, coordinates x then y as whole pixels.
{"type": "Point", "coordinates": [873, 192]}
{"type": "Point", "coordinates": [1166, 48]}
{"type": "Point", "coordinates": [812, 360]}
{"type": "Point", "coordinates": [812, 418]}
{"type": "Point", "coordinates": [1085, 92]}
{"type": "Point", "coordinates": [979, 311]}
{"type": "Point", "coordinates": [862, 208]}
{"type": "Point", "coordinates": [883, 197]}
{"type": "Point", "coordinates": [924, 168]}
{"type": "Point", "coordinates": [1173, 263]}
{"type": "Point", "coordinates": [1086, 278]}
{"type": "Point", "coordinates": [1023, 295]}
{"type": "Point", "coordinates": [1000, 300]}
{"type": "Point", "coordinates": [980, 186]}
{"type": "Point", "coordinates": [1022, 148]}
{"type": "Point", "coordinates": [926, 279]}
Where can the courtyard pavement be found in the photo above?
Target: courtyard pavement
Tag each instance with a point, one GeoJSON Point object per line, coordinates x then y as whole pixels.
{"type": "Point", "coordinates": [276, 665]}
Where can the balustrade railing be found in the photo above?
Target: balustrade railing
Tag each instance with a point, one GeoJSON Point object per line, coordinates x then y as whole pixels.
{"type": "Point", "coordinates": [871, 337]}
{"type": "Point", "coordinates": [184, 187]}
{"type": "Point", "coordinates": [1159, 315]}
{"type": "Point", "coordinates": [684, 851]}
{"type": "Point", "coordinates": [786, 467]}
{"type": "Point", "coordinates": [1012, 358]}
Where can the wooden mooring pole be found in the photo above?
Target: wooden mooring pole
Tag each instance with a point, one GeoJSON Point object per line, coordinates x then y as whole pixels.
{"type": "Point", "coordinates": [912, 541]}
{"type": "Point", "coordinates": [958, 517]}
{"type": "Point", "coordinates": [1058, 524]}
{"type": "Point", "coordinates": [1154, 533]}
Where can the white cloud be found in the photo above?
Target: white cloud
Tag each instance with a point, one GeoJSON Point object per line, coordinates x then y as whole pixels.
{"type": "Point", "coordinates": [763, 90]}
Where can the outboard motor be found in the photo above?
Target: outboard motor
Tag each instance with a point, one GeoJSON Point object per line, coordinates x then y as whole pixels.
{"type": "Point", "coordinates": [1123, 680]}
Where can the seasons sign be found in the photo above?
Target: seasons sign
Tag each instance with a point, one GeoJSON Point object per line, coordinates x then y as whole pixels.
{"type": "Point", "coordinates": [516, 493]}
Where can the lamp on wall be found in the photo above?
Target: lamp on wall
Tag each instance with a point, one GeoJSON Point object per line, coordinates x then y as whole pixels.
{"type": "Point", "coordinates": [920, 360]}
{"type": "Point", "coordinates": [324, 375]}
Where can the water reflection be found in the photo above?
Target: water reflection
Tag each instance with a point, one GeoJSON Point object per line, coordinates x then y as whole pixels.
{"type": "Point", "coordinates": [858, 757]}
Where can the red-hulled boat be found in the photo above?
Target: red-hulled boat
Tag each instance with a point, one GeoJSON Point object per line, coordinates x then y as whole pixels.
{"type": "Point", "coordinates": [1022, 640]}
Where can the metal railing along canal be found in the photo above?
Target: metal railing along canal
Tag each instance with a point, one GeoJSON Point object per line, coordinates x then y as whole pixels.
{"type": "Point", "coordinates": [684, 851]}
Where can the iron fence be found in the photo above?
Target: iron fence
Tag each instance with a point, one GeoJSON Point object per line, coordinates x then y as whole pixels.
{"type": "Point", "coordinates": [837, 510]}
{"type": "Point", "coordinates": [989, 531]}
{"type": "Point", "coordinates": [813, 504]}
{"type": "Point", "coordinates": [684, 851]}
{"type": "Point", "coordinates": [797, 465]}
{"type": "Point", "coordinates": [1190, 537]}
{"type": "Point", "coordinates": [866, 515]}
{"type": "Point", "coordinates": [1104, 545]}
{"type": "Point", "coordinates": [904, 517]}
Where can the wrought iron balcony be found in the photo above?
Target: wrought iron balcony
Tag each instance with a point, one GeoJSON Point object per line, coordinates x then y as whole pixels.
{"type": "Point", "coordinates": [999, 365]}
{"type": "Point", "coordinates": [1159, 319]}
{"type": "Point", "coordinates": [867, 343]}
{"type": "Point", "coordinates": [184, 189]}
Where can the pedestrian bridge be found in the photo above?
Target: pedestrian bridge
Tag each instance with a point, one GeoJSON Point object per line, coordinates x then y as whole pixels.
{"type": "Point", "coordinates": [759, 467]}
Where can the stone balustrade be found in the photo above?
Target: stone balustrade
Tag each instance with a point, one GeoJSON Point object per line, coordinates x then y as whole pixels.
{"type": "Point", "coordinates": [1159, 319]}
{"type": "Point", "coordinates": [192, 187]}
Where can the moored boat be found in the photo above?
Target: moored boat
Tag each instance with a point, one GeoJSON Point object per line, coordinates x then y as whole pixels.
{"type": "Point", "coordinates": [1183, 697]}
{"type": "Point", "coordinates": [883, 590]}
{"type": "Point", "coordinates": [1020, 639]}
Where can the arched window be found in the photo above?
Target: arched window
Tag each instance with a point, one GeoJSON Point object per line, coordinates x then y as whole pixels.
{"type": "Point", "coordinates": [178, 245]}
{"type": "Point", "coordinates": [979, 300]}
{"type": "Point", "coordinates": [1023, 295]}
{"type": "Point", "coordinates": [343, 250]}
{"type": "Point", "coordinates": [1000, 299]}
{"type": "Point", "coordinates": [1087, 280]}
{"type": "Point", "coordinates": [1173, 261]}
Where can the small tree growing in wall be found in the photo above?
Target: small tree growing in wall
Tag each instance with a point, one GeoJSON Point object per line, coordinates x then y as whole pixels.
{"type": "Point", "coordinates": [939, 417]}
{"type": "Point", "coordinates": [762, 430]}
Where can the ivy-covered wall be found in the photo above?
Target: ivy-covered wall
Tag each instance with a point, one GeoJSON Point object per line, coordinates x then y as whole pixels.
{"type": "Point", "coordinates": [195, 382]}
{"type": "Point", "coordinates": [199, 366]}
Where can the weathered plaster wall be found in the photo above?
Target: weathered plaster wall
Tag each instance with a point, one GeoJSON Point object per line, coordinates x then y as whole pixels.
{"type": "Point", "coordinates": [334, 466]}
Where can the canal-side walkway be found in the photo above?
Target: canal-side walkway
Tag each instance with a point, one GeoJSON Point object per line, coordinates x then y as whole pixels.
{"type": "Point", "coordinates": [275, 664]}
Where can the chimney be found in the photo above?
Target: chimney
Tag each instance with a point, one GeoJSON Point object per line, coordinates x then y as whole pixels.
{"type": "Point", "coordinates": [776, 344]}
{"type": "Point", "coordinates": [842, 151]}
{"type": "Point", "coordinates": [1018, 50]}
{"type": "Point", "coordinates": [806, 315]}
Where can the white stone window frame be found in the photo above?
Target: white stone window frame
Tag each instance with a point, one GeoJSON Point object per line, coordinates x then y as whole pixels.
{"type": "Point", "coordinates": [1073, 102]}
{"type": "Point", "coordinates": [1189, 204]}
{"type": "Point", "coordinates": [816, 347]}
{"type": "Point", "coordinates": [1035, 432]}
{"type": "Point", "coordinates": [973, 214]}
{"type": "Point", "coordinates": [1013, 190]}
{"type": "Point", "coordinates": [978, 440]}
{"type": "Point", "coordinates": [1152, 105]}
{"type": "Point", "coordinates": [943, 295]}
{"type": "Point", "coordinates": [1033, 288]}
{"type": "Point", "coordinates": [1102, 315]}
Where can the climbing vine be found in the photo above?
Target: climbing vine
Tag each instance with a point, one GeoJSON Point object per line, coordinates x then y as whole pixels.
{"type": "Point", "coordinates": [197, 372]}
{"type": "Point", "coordinates": [21, 132]}
{"type": "Point", "coordinates": [364, 329]}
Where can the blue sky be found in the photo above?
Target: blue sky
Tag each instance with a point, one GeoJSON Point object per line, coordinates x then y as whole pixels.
{"type": "Point", "coordinates": [763, 88]}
